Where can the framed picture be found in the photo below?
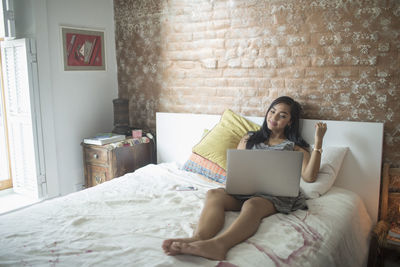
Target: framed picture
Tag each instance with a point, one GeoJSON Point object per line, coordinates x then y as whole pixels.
{"type": "Point", "coordinates": [83, 49]}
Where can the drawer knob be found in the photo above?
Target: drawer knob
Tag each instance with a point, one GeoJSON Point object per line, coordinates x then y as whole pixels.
{"type": "Point", "coordinates": [98, 179]}
{"type": "Point", "coordinates": [95, 156]}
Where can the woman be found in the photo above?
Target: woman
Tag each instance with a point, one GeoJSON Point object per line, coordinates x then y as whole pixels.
{"type": "Point", "coordinates": [280, 131]}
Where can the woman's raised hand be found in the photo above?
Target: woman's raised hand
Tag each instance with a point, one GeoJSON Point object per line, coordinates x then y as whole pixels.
{"type": "Point", "coordinates": [320, 130]}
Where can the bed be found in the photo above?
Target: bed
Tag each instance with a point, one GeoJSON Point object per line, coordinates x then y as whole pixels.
{"type": "Point", "coordinates": [125, 220]}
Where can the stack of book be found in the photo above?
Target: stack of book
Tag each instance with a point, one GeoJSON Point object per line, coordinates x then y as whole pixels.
{"type": "Point", "coordinates": [393, 236]}
{"type": "Point", "coordinates": [104, 138]}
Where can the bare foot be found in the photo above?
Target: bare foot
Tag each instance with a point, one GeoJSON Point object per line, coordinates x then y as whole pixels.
{"type": "Point", "coordinates": [167, 244]}
{"type": "Point", "coordinates": [209, 249]}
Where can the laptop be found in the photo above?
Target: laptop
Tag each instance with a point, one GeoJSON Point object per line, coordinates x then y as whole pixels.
{"type": "Point", "coordinates": [272, 172]}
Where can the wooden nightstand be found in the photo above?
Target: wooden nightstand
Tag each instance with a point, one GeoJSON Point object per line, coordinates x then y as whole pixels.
{"type": "Point", "coordinates": [382, 253]}
{"type": "Point", "coordinates": [103, 163]}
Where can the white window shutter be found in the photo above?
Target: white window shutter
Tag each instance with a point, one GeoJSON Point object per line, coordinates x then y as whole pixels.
{"type": "Point", "coordinates": [23, 117]}
{"type": "Point", "coordinates": [8, 18]}
{"type": "Point", "coordinates": [4, 172]}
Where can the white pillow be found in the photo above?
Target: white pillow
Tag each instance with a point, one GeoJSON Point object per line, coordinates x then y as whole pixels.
{"type": "Point", "coordinates": [331, 161]}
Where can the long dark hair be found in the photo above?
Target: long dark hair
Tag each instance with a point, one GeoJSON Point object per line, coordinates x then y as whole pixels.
{"type": "Point", "coordinates": [291, 131]}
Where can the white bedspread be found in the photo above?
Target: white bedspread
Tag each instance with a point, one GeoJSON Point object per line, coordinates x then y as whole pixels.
{"type": "Point", "coordinates": [124, 221]}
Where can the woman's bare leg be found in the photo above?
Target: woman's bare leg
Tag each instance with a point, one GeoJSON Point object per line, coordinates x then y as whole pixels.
{"type": "Point", "coordinates": [211, 220]}
{"type": "Point", "coordinates": [253, 211]}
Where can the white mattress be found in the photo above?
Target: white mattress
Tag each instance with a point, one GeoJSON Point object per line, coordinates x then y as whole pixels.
{"type": "Point", "coordinates": [124, 221]}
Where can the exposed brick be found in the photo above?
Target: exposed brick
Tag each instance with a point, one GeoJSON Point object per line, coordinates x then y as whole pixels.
{"type": "Point", "coordinates": [240, 82]}
{"type": "Point", "coordinates": [221, 24]}
{"type": "Point", "coordinates": [245, 33]}
{"type": "Point", "coordinates": [215, 82]}
{"type": "Point", "coordinates": [274, 62]}
{"type": "Point", "coordinates": [236, 72]}
{"type": "Point", "coordinates": [347, 72]}
{"type": "Point", "coordinates": [283, 52]}
{"type": "Point", "coordinates": [190, 55]}
{"type": "Point", "coordinates": [190, 27]}
{"type": "Point", "coordinates": [198, 44]}
{"type": "Point", "coordinates": [222, 63]}
{"type": "Point", "coordinates": [221, 14]}
{"type": "Point", "coordinates": [190, 82]}
{"type": "Point", "coordinates": [225, 91]}
{"type": "Point", "coordinates": [192, 100]}
{"type": "Point", "coordinates": [176, 73]}
{"type": "Point", "coordinates": [302, 61]}
{"type": "Point", "coordinates": [260, 63]}
{"type": "Point", "coordinates": [280, 17]}
{"type": "Point", "coordinates": [262, 83]}
{"type": "Point", "coordinates": [277, 83]}
{"type": "Point", "coordinates": [252, 101]}
{"type": "Point", "coordinates": [314, 72]}
{"type": "Point", "coordinates": [287, 61]}
{"type": "Point", "coordinates": [251, 111]}
{"type": "Point", "coordinates": [205, 56]}
{"type": "Point", "coordinates": [250, 91]}
{"type": "Point", "coordinates": [297, 40]}
{"type": "Point", "coordinates": [219, 53]}
{"type": "Point", "coordinates": [227, 101]}
{"type": "Point", "coordinates": [384, 47]}
{"type": "Point", "coordinates": [263, 73]}
{"type": "Point", "coordinates": [231, 43]}
{"type": "Point", "coordinates": [230, 53]}
{"type": "Point", "coordinates": [205, 73]}
{"type": "Point", "coordinates": [186, 64]}
{"type": "Point", "coordinates": [206, 91]}
{"type": "Point", "coordinates": [294, 84]}
{"type": "Point", "coordinates": [247, 62]}
{"type": "Point", "coordinates": [204, 35]}
{"type": "Point", "coordinates": [290, 73]}
{"type": "Point", "coordinates": [269, 52]}
{"type": "Point", "coordinates": [221, 33]}
{"type": "Point", "coordinates": [197, 16]}
{"type": "Point", "coordinates": [180, 37]}
{"type": "Point", "coordinates": [187, 91]}
{"type": "Point", "coordinates": [209, 63]}
{"type": "Point", "coordinates": [326, 39]}
{"type": "Point", "coordinates": [303, 51]}
{"type": "Point", "coordinates": [234, 62]}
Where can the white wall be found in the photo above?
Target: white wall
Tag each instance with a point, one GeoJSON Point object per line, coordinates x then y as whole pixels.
{"type": "Point", "coordinates": [75, 104]}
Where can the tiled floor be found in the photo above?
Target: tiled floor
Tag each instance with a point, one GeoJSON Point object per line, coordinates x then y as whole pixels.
{"type": "Point", "coordinates": [9, 200]}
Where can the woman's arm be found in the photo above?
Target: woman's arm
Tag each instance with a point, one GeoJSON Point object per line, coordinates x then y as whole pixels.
{"type": "Point", "coordinates": [312, 162]}
{"type": "Point", "coordinates": [243, 142]}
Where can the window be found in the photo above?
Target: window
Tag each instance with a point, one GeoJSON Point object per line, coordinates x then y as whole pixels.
{"type": "Point", "coordinates": [20, 125]}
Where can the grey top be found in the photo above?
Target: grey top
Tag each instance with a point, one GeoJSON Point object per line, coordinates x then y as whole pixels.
{"type": "Point", "coordinates": [285, 145]}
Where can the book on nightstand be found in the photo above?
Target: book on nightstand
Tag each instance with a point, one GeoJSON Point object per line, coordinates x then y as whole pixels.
{"type": "Point", "coordinates": [393, 240]}
{"type": "Point", "coordinates": [104, 138]}
{"type": "Point", "coordinates": [394, 230]}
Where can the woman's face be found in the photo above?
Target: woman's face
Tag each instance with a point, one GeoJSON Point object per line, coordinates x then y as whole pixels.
{"type": "Point", "coordinates": [278, 117]}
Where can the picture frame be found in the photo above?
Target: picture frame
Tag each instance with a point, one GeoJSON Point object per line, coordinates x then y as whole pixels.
{"type": "Point", "coordinates": [83, 49]}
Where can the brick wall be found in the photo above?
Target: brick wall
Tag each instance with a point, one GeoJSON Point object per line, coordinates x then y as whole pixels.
{"type": "Point", "coordinates": [339, 59]}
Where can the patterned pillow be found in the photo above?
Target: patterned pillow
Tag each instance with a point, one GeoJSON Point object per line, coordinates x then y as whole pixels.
{"type": "Point", "coordinates": [205, 167]}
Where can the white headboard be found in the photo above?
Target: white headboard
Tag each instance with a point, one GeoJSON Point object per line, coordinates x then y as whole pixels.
{"type": "Point", "coordinates": [177, 133]}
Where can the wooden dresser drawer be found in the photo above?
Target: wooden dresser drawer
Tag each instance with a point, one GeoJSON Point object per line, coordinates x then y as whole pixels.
{"type": "Point", "coordinates": [97, 174]}
{"type": "Point", "coordinates": [96, 155]}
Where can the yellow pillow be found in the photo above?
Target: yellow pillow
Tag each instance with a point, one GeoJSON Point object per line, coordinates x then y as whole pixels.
{"type": "Point", "coordinates": [225, 135]}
